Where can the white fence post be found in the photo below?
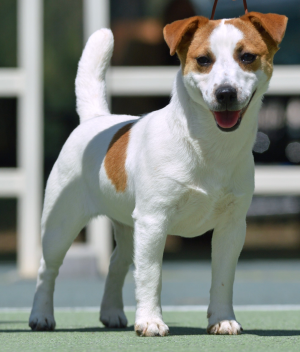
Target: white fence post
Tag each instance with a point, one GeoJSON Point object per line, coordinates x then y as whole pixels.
{"type": "Point", "coordinates": [99, 231]}
{"type": "Point", "coordinates": [30, 132]}
{"type": "Point", "coordinates": [95, 16]}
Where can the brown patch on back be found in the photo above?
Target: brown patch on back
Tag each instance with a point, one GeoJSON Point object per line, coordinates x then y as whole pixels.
{"type": "Point", "coordinates": [115, 159]}
{"type": "Point", "coordinates": [198, 46]}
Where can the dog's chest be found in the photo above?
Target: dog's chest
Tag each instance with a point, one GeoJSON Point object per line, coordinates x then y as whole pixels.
{"type": "Point", "coordinates": [199, 210]}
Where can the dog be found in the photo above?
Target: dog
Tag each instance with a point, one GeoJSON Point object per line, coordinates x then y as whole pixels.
{"type": "Point", "coordinates": [182, 170]}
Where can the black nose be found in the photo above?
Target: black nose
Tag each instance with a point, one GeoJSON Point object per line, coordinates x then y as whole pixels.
{"type": "Point", "coordinates": [226, 94]}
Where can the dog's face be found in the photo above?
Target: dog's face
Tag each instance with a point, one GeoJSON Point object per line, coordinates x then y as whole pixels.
{"type": "Point", "coordinates": [226, 62]}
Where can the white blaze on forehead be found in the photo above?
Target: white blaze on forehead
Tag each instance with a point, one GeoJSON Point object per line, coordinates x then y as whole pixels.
{"type": "Point", "coordinates": [224, 38]}
{"type": "Point", "coordinates": [224, 71]}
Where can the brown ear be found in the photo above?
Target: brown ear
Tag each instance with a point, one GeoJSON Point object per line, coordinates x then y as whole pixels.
{"type": "Point", "coordinates": [273, 24]}
{"type": "Point", "coordinates": [174, 32]}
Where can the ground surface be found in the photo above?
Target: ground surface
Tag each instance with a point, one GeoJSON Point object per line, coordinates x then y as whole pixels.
{"type": "Point", "coordinates": [81, 331]}
{"type": "Point", "coordinates": [257, 283]}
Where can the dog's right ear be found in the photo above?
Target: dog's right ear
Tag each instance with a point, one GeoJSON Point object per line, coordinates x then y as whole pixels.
{"type": "Point", "coordinates": [177, 32]}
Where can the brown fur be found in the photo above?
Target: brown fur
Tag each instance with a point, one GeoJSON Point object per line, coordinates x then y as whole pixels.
{"type": "Point", "coordinates": [253, 43]}
{"type": "Point", "coordinates": [199, 46]}
{"type": "Point", "coordinates": [261, 37]}
{"type": "Point", "coordinates": [115, 159]}
{"type": "Point", "coordinates": [179, 32]}
{"type": "Point", "coordinates": [262, 34]}
{"type": "Point", "coordinates": [271, 23]}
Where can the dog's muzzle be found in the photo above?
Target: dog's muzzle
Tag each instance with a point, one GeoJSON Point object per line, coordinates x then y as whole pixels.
{"type": "Point", "coordinates": [227, 120]}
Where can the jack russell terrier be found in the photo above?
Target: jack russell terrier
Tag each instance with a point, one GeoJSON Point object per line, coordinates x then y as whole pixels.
{"type": "Point", "coordinates": [182, 170]}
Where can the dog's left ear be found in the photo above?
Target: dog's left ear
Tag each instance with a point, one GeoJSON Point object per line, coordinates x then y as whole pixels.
{"type": "Point", "coordinates": [273, 24]}
{"type": "Point", "coordinates": [175, 32]}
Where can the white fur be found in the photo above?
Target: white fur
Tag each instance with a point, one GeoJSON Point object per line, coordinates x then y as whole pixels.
{"type": "Point", "coordinates": [225, 71]}
{"type": "Point", "coordinates": [185, 177]}
{"type": "Point", "coordinates": [90, 81]}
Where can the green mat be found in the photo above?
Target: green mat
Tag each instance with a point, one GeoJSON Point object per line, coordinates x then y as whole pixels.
{"type": "Point", "coordinates": [81, 331]}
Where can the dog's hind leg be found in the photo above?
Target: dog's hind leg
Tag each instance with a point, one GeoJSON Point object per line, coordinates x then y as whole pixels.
{"type": "Point", "coordinates": [112, 313]}
{"type": "Point", "coordinates": [64, 215]}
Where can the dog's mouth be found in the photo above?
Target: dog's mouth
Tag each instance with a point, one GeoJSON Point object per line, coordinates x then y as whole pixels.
{"type": "Point", "coordinates": [228, 121]}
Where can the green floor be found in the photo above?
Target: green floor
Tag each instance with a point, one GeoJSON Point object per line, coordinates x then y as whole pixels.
{"type": "Point", "coordinates": [81, 331]}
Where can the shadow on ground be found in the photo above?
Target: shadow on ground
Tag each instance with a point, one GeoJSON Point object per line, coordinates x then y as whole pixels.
{"type": "Point", "coordinates": [180, 330]}
{"type": "Point", "coordinates": [87, 329]}
{"type": "Point", "coordinates": [174, 331]}
{"type": "Point", "coordinates": [272, 332]}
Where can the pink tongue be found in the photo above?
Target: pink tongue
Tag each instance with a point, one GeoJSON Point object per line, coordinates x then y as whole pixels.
{"type": "Point", "coordinates": [227, 119]}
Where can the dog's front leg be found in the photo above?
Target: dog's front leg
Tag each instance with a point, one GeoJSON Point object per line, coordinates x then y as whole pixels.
{"type": "Point", "coordinates": [227, 244]}
{"type": "Point", "coordinates": [149, 242]}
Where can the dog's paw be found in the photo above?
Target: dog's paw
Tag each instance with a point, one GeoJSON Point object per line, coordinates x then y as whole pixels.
{"type": "Point", "coordinates": [151, 327]}
{"type": "Point", "coordinates": [42, 322]}
{"type": "Point", "coordinates": [225, 327]}
{"type": "Point", "coordinates": [113, 318]}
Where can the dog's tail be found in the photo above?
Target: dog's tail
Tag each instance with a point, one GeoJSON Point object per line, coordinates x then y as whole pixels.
{"type": "Point", "coordinates": [90, 85]}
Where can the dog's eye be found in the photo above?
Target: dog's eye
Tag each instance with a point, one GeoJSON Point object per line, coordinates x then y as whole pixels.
{"type": "Point", "coordinates": [203, 61]}
{"type": "Point", "coordinates": [248, 58]}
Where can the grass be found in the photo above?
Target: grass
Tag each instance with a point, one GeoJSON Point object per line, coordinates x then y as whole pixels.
{"type": "Point", "coordinates": [81, 331]}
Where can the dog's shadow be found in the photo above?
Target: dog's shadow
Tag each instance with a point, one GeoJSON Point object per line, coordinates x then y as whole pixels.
{"type": "Point", "coordinates": [183, 330]}
{"type": "Point", "coordinates": [86, 329]}
{"type": "Point", "coordinates": [174, 331]}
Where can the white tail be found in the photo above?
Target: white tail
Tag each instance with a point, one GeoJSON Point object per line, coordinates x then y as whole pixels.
{"type": "Point", "coordinates": [90, 85]}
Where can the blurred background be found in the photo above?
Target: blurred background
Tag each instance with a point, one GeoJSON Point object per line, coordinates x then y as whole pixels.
{"type": "Point", "coordinates": [274, 217]}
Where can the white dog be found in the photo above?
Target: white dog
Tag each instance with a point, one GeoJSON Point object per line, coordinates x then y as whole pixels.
{"type": "Point", "coordinates": [182, 170]}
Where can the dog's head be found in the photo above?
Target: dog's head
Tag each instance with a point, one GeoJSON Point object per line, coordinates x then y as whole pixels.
{"type": "Point", "coordinates": [226, 62]}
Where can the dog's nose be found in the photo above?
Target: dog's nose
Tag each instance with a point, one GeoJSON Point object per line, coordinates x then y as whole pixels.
{"type": "Point", "coordinates": [226, 94]}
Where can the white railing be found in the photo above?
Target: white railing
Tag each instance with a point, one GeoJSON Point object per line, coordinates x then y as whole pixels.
{"type": "Point", "coordinates": [12, 82]}
{"type": "Point", "coordinates": [25, 181]}
{"type": "Point", "coordinates": [158, 80]}
{"type": "Point", "coordinates": [277, 180]}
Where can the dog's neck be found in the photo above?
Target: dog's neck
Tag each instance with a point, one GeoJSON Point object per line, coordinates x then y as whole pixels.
{"type": "Point", "coordinates": [196, 124]}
